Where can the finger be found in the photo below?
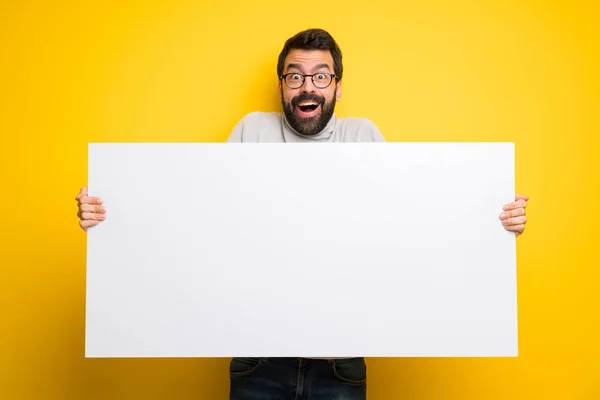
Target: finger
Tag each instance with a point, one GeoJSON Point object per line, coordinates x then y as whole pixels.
{"type": "Point", "coordinates": [520, 197]}
{"type": "Point", "coordinates": [86, 224]}
{"type": "Point", "coordinates": [92, 216]}
{"type": "Point", "coordinates": [515, 221]}
{"type": "Point", "coordinates": [93, 208]}
{"type": "Point", "coordinates": [90, 200]}
{"type": "Point", "coordinates": [90, 209]}
{"type": "Point", "coordinates": [515, 228]}
{"type": "Point", "coordinates": [515, 204]}
{"type": "Point", "coordinates": [513, 213]}
{"type": "Point", "coordinates": [82, 192]}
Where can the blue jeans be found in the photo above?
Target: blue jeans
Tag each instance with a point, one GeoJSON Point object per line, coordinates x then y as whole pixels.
{"type": "Point", "coordinates": [297, 378]}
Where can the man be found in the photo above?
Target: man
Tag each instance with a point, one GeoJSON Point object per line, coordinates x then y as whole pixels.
{"type": "Point", "coordinates": [310, 71]}
{"type": "Point", "coordinates": [310, 83]}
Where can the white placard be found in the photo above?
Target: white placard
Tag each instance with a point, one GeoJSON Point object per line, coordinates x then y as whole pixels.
{"type": "Point", "coordinates": [304, 250]}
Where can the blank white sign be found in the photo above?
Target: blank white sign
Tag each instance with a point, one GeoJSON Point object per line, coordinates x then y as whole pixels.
{"type": "Point", "coordinates": [304, 250]}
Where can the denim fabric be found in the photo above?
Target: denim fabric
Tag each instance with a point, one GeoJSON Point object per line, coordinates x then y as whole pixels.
{"type": "Point", "coordinates": [297, 379]}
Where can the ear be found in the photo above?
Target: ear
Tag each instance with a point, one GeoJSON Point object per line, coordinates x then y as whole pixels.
{"type": "Point", "coordinates": [338, 95]}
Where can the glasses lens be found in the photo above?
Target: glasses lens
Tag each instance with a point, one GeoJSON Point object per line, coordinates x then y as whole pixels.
{"type": "Point", "coordinates": [322, 80]}
{"type": "Point", "coordinates": [294, 81]}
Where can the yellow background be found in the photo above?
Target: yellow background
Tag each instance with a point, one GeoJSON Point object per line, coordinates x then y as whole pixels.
{"type": "Point", "coordinates": [79, 71]}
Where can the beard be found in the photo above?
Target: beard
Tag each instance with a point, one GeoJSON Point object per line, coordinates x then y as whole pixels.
{"type": "Point", "coordinates": [309, 126]}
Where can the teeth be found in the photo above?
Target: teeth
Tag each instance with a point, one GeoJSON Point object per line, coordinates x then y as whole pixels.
{"type": "Point", "coordinates": [310, 103]}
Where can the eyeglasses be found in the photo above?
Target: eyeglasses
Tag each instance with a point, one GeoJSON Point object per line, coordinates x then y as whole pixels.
{"type": "Point", "coordinates": [296, 80]}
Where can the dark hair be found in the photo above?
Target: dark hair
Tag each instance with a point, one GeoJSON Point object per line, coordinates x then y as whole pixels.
{"type": "Point", "coordinates": [313, 39]}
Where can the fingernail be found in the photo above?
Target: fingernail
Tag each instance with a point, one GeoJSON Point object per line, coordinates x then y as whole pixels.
{"type": "Point", "coordinates": [505, 208]}
{"type": "Point", "coordinates": [102, 209]}
{"type": "Point", "coordinates": [502, 216]}
{"type": "Point", "coordinates": [102, 216]}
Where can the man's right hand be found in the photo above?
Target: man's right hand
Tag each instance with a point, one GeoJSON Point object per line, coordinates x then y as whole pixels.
{"type": "Point", "coordinates": [91, 211]}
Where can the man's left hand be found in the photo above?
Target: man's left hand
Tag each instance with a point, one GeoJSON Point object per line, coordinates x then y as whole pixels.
{"type": "Point", "coordinates": [513, 217]}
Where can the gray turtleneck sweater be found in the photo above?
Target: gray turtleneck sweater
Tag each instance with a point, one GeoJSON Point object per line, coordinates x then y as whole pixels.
{"type": "Point", "coordinates": [274, 127]}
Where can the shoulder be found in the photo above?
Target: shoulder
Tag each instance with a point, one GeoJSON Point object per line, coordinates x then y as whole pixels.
{"type": "Point", "coordinates": [360, 130]}
{"type": "Point", "coordinates": [261, 117]}
{"type": "Point", "coordinates": [256, 126]}
{"type": "Point", "coordinates": [359, 123]}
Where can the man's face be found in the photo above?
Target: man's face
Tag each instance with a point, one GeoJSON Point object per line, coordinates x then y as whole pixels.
{"type": "Point", "coordinates": [309, 108]}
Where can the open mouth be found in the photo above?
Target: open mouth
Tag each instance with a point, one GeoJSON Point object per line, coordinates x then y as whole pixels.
{"type": "Point", "coordinates": [308, 108]}
{"type": "Point", "coordinates": [311, 107]}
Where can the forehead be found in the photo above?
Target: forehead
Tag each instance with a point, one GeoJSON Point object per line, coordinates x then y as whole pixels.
{"type": "Point", "coordinates": [308, 60]}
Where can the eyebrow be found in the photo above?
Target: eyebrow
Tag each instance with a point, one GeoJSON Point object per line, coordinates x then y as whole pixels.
{"type": "Point", "coordinates": [299, 66]}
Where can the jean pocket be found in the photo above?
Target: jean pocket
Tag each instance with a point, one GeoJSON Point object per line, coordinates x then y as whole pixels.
{"type": "Point", "coordinates": [242, 366]}
{"type": "Point", "coordinates": [352, 371]}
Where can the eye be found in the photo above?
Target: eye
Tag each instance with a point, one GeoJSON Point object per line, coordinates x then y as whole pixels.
{"type": "Point", "coordinates": [295, 77]}
{"type": "Point", "coordinates": [321, 77]}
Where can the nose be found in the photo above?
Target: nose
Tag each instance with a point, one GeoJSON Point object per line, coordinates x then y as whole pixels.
{"type": "Point", "coordinates": [308, 86]}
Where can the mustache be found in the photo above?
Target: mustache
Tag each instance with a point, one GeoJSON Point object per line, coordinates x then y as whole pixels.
{"type": "Point", "coordinates": [305, 97]}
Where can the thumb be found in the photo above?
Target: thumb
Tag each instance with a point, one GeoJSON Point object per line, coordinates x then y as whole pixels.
{"type": "Point", "coordinates": [83, 192]}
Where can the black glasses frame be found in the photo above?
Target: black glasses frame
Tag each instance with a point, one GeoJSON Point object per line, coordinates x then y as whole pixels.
{"type": "Point", "coordinates": [332, 76]}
